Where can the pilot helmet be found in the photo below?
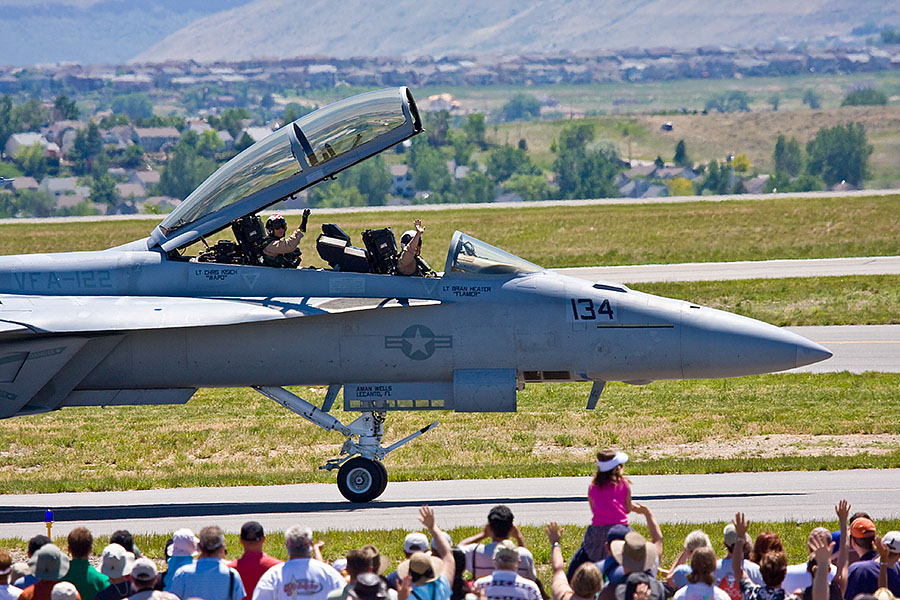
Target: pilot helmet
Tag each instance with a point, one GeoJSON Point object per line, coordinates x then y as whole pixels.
{"type": "Point", "coordinates": [407, 238]}
{"type": "Point", "coordinates": [275, 222]}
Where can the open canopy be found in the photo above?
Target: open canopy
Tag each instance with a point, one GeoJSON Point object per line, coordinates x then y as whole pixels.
{"type": "Point", "coordinates": [295, 157]}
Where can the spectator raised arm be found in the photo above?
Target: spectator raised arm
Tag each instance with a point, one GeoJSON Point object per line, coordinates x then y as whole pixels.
{"type": "Point", "coordinates": [655, 532]}
{"type": "Point", "coordinates": [741, 525]}
{"type": "Point", "coordinates": [439, 541]}
{"type": "Point", "coordinates": [843, 560]}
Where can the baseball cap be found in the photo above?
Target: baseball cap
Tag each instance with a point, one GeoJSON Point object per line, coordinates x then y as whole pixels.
{"type": "Point", "coordinates": [617, 532]}
{"type": "Point", "coordinates": [370, 586]}
{"type": "Point", "coordinates": [116, 561]}
{"type": "Point", "coordinates": [729, 535]}
{"type": "Point", "coordinates": [862, 528]}
{"type": "Point", "coordinates": [892, 540]}
{"type": "Point", "coordinates": [252, 531]}
{"type": "Point", "coordinates": [143, 569]}
{"type": "Point", "coordinates": [184, 543]}
{"type": "Point", "coordinates": [415, 542]}
{"type": "Point", "coordinates": [64, 591]}
{"type": "Point", "coordinates": [49, 563]}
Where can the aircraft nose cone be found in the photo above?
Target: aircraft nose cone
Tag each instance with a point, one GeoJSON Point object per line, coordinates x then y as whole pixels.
{"type": "Point", "coordinates": [809, 352]}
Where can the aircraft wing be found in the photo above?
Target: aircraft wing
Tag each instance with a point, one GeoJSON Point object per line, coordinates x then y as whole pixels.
{"type": "Point", "coordinates": [98, 314]}
{"type": "Point", "coordinates": [49, 344]}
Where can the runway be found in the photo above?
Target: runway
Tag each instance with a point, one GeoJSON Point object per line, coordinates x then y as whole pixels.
{"type": "Point", "coordinates": [785, 496]}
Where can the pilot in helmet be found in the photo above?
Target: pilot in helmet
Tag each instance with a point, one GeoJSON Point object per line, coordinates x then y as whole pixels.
{"type": "Point", "coordinates": [409, 262]}
{"type": "Point", "coordinates": [280, 251]}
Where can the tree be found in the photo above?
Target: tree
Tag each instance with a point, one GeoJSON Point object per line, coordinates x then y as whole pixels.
{"type": "Point", "coordinates": [429, 168]}
{"type": "Point", "coordinates": [813, 99]}
{"type": "Point", "coordinates": [530, 187]}
{"type": "Point", "coordinates": [788, 157]}
{"type": "Point", "coordinates": [87, 147]}
{"type": "Point", "coordinates": [775, 100]}
{"type": "Point", "coordinates": [8, 124]}
{"type": "Point", "coordinates": [113, 120]}
{"type": "Point", "coordinates": [437, 124]}
{"type": "Point", "coordinates": [30, 115]}
{"type": "Point", "coordinates": [462, 149]}
{"type": "Point", "coordinates": [741, 163]}
{"type": "Point", "coordinates": [294, 111]}
{"type": "Point", "coordinates": [337, 195]}
{"type": "Point", "coordinates": [209, 143]}
{"type": "Point", "coordinates": [135, 105]}
{"type": "Point", "coordinates": [521, 107]}
{"type": "Point", "coordinates": [586, 174]}
{"type": "Point", "coordinates": [34, 203]}
{"type": "Point", "coordinates": [717, 178]}
{"type": "Point", "coordinates": [185, 169]}
{"type": "Point", "coordinates": [733, 101]}
{"type": "Point", "coordinates": [267, 101]}
{"type": "Point", "coordinates": [679, 186]}
{"type": "Point", "coordinates": [659, 162]}
{"type": "Point", "coordinates": [103, 190]}
{"type": "Point", "coordinates": [133, 157]}
{"type": "Point", "coordinates": [502, 162]}
{"type": "Point", "coordinates": [475, 129]}
{"type": "Point", "coordinates": [476, 187]}
{"type": "Point", "coordinates": [231, 120]}
{"type": "Point", "coordinates": [66, 108]}
{"type": "Point", "coordinates": [865, 97]}
{"type": "Point", "coordinates": [371, 178]}
{"type": "Point", "coordinates": [681, 158]}
{"type": "Point", "coordinates": [575, 135]}
{"type": "Point", "coordinates": [33, 160]}
{"type": "Point", "coordinates": [839, 153]}
{"type": "Point", "coordinates": [245, 142]}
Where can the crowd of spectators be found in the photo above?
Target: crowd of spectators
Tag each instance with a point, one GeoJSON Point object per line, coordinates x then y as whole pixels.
{"type": "Point", "coordinates": [614, 562]}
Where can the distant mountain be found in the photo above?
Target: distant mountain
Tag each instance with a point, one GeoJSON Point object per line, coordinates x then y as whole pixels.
{"type": "Point", "coordinates": [343, 28]}
{"type": "Point", "coordinates": [93, 31]}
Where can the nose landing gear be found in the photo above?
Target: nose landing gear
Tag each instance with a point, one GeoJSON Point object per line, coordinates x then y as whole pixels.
{"type": "Point", "coordinates": [362, 476]}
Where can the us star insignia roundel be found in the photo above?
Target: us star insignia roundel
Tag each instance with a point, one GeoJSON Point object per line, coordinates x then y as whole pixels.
{"type": "Point", "coordinates": [418, 342]}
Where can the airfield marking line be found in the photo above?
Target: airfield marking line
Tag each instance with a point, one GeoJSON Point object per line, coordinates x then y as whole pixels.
{"type": "Point", "coordinates": [862, 342]}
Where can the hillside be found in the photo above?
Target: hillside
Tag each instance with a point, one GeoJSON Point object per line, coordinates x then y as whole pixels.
{"type": "Point", "coordinates": [92, 31]}
{"type": "Point", "coordinates": [278, 28]}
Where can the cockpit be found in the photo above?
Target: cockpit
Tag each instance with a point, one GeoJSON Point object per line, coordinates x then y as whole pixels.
{"type": "Point", "coordinates": [295, 157]}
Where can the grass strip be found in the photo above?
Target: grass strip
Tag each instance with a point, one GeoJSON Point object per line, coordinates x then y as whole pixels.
{"type": "Point", "coordinates": [850, 300]}
{"type": "Point", "coordinates": [237, 437]}
{"type": "Point", "coordinates": [390, 542]}
{"type": "Point", "coordinates": [570, 236]}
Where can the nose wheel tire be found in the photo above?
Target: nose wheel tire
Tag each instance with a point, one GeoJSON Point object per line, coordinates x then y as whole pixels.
{"type": "Point", "coordinates": [361, 480]}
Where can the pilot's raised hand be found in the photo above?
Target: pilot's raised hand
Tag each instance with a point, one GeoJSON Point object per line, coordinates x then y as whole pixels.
{"type": "Point", "coordinates": [418, 225]}
{"type": "Point", "coordinates": [305, 218]}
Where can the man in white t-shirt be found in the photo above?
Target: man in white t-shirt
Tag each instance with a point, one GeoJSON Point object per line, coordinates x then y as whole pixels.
{"type": "Point", "coordinates": [499, 527]}
{"type": "Point", "coordinates": [797, 576]}
{"type": "Point", "coordinates": [301, 577]}
{"type": "Point", "coordinates": [505, 583]}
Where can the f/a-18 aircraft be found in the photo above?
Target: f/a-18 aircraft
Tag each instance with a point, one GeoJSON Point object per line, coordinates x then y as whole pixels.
{"type": "Point", "coordinates": [149, 323]}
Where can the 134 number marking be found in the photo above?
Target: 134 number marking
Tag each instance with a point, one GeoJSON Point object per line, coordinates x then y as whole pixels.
{"type": "Point", "coordinates": [584, 309]}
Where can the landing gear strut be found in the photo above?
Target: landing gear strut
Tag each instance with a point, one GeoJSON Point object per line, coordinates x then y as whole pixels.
{"type": "Point", "coordinates": [361, 475]}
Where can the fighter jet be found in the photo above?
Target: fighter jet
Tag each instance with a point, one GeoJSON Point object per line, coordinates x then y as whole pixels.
{"type": "Point", "coordinates": [152, 321]}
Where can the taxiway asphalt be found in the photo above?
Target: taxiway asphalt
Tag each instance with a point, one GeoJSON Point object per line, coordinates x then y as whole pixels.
{"type": "Point", "coordinates": [785, 496]}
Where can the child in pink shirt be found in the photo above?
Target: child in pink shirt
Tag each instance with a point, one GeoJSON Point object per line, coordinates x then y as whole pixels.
{"type": "Point", "coordinates": [610, 497]}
